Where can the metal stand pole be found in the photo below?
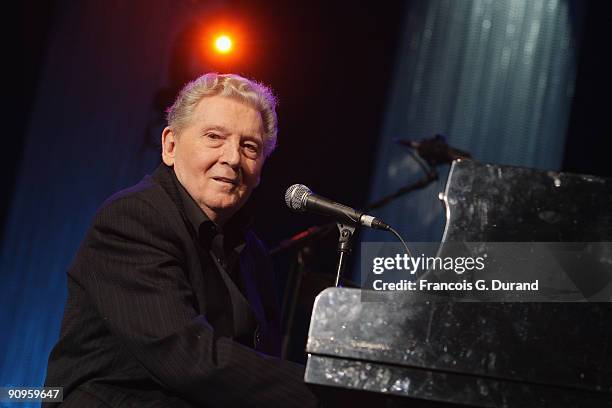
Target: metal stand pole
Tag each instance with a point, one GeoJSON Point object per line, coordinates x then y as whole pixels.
{"type": "Point", "coordinates": [344, 248]}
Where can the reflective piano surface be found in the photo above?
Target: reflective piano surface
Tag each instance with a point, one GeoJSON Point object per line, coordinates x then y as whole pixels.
{"type": "Point", "coordinates": [407, 351]}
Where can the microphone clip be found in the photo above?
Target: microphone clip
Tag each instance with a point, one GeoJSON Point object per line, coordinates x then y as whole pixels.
{"type": "Point", "coordinates": [346, 232]}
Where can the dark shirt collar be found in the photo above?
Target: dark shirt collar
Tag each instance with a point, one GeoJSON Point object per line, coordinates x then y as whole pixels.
{"type": "Point", "coordinates": [206, 229]}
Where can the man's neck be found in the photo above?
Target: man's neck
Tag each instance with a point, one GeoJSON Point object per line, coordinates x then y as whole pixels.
{"type": "Point", "coordinates": [219, 219]}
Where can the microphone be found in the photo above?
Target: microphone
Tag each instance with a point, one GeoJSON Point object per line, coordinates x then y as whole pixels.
{"type": "Point", "coordinates": [435, 150]}
{"type": "Point", "coordinates": [299, 198]}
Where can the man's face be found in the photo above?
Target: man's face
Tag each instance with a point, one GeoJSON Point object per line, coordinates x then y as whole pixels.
{"type": "Point", "coordinates": [218, 157]}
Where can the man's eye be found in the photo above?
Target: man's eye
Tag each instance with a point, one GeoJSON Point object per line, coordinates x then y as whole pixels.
{"type": "Point", "coordinates": [213, 136]}
{"type": "Point", "coordinates": [252, 150]}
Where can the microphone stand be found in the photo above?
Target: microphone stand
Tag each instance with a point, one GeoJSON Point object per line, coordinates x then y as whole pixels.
{"type": "Point", "coordinates": [344, 248]}
{"type": "Point", "coordinates": [431, 175]}
{"type": "Point", "coordinates": [419, 184]}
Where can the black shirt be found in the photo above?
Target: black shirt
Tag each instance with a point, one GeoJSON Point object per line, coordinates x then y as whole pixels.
{"type": "Point", "coordinates": [223, 244]}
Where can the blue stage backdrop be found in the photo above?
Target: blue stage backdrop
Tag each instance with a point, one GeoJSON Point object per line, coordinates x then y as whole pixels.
{"type": "Point", "coordinates": [495, 77]}
{"type": "Point", "coordinates": [87, 138]}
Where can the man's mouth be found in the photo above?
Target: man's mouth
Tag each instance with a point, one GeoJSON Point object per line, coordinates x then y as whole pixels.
{"type": "Point", "coordinates": [227, 180]}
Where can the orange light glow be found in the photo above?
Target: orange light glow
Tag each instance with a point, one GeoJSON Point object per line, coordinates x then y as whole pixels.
{"type": "Point", "coordinates": [223, 44]}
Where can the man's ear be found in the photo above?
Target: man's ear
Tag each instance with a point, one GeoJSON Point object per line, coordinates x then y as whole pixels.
{"type": "Point", "coordinates": [168, 142]}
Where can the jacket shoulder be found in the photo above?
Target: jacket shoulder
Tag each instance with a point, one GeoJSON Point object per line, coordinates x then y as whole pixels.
{"type": "Point", "coordinates": [142, 215]}
{"type": "Point", "coordinates": [158, 191]}
{"type": "Point", "coordinates": [145, 190]}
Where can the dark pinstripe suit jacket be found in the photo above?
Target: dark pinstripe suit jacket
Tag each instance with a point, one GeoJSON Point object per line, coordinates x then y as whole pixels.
{"type": "Point", "coordinates": [144, 327]}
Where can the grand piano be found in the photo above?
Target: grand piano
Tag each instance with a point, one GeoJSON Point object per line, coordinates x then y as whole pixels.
{"type": "Point", "coordinates": [409, 350]}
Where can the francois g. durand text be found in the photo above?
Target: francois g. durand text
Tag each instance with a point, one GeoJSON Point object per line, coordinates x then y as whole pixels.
{"type": "Point", "coordinates": [479, 285]}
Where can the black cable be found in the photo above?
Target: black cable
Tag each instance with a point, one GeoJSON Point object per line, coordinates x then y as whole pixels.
{"type": "Point", "coordinates": [402, 241]}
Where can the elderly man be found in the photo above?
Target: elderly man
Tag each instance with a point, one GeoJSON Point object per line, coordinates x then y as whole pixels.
{"type": "Point", "coordinates": [170, 297]}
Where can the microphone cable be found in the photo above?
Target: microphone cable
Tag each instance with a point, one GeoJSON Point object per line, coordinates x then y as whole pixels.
{"type": "Point", "coordinates": [401, 240]}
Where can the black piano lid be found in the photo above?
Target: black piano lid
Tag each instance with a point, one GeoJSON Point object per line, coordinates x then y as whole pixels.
{"type": "Point", "coordinates": [489, 203]}
{"type": "Point", "coordinates": [480, 354]}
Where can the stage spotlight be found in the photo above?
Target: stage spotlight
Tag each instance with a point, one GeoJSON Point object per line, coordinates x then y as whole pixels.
{"type": "Point", "coordinates": [223, 44]}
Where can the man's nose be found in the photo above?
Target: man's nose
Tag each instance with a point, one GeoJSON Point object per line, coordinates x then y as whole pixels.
{"type": "Point", "coordinates": [231, 153]}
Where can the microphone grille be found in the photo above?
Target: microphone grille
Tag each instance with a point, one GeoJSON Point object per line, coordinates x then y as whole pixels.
{"type": "Point", "coordinates": [296, 195]}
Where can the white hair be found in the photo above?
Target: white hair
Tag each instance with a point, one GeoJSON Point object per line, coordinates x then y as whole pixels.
{"type": "Point", "coordinates": [233, 86]}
